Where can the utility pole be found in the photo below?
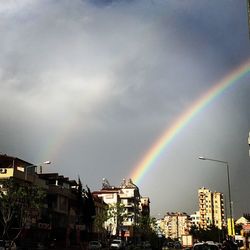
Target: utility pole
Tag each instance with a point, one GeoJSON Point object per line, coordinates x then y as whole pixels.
{"type": "Point", "coordinates": [177, 225]}
{"type": "Point", "coordinates": [249, 139]}
{"type": "Point", "coordinates": [229, 192]}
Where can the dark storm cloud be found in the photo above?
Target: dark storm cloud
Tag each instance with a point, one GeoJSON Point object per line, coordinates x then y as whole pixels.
{"type": "Point", "coordinates": [106, 78]}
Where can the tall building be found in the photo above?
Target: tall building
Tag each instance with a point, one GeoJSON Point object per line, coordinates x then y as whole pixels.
{"type": "Point", "coordinates": [218, 210]}
{"type": "Point", "coordinates": [175, 225]}
{"type": "Point", "coordinates": [127, 198]}
{"type": "Point", "coordinates": [211, 208]}
{"type": "Point", "coordinates": [205, 207]}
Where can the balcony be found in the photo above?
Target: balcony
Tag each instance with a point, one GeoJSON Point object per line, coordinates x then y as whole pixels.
{"type": "Point", "coordinates": [6, 173]}
{"type": "Point", "coordinates": [127, 223]}
{"type": "Point", "coordinates": [129, 205]}
{"type": "Point", "coordinates": [59, 190]}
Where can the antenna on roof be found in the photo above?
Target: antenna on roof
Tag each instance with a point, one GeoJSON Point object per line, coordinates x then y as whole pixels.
{"type": "Point", "coordinates": [105, 183]}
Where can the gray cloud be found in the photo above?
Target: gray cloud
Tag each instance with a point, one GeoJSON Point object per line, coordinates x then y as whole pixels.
{"type": "Point", "coordinates": [92, 85]}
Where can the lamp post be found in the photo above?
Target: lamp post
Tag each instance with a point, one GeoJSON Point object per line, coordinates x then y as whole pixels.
{"type": "Point", "coordinates": [34, 165]}
{"type": "Point", "coordinates": [229, 187]}
{"type": "Point", "coordinates": [249, 135]}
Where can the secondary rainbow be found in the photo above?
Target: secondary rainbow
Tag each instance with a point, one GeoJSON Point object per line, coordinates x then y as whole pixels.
{"type": "Point", "coordinates": [165, 139]}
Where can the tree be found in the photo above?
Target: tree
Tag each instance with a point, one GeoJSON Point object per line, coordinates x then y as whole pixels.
{"type": "Point", "coordinates": [117, 212]}
{"type": "Point", "coordinates": [211, 233]}
{"type": "Point", "coordinates": [146, 226]}
{"type": "Point", "coordinates": [85, 205]}
{"type": "Point", "coordinates": [89, 212]}
{"type": "Point", "coordinates": [18, 204]}
{"type": "Point", "coordinates": [153, 232]}
{"type": "Point", "coordinates": [80, 202]}
{"type": "Point", "coordinates": [100, 218]}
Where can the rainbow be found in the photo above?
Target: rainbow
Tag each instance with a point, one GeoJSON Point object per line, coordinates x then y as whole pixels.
{"type": "Point", "coordinates": [184, 119]}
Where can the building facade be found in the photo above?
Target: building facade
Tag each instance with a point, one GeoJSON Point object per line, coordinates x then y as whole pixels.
{"type": "Point", "coordinates": [174, 225]}
{"type": "Point", "coordinates": [130, 199]}
{"type": "Point", "coordinates": [66, 213]}
{"type": "Point", "coordinates": [218, 210]}
{"type": "Point", "coordinates": [110, 195]}
{"type": "Point", "coordinates": [98, 229]}
{"type": "Point", "coordinates": [125, 207]}
{"type": "Point", "coordinates": [211, 208]}
{"type": "Point", "coordinates": [195, 219]}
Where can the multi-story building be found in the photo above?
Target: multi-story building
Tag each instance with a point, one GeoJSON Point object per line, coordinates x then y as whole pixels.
{"type": "Point", "coordinates": [110, 195]}
{"type": "Point", "coordinates": [66, 214]}
{"type": "Point", "coordinates": [195, 219]}
{"type": "Point", "coordinates": [69, 212]}
{"type": "Point", "coordinates": [98, 228]}
{"type": "Point", "coordinates": [205, 207]}
{"type": "Point", "coordinates": [218, 210]}
{"type": "Point", "coordinates": [23, 173]}
{"type": "Point", "coordinates": [13, 167]}
{"type": "Point", "coordinates": [211, 208]}
{"type": "Point", "coordinates": [160, 227]}
{"type": "Point", "coordinates": [130, 199]}
{"type": "Point", "coordinates": [125, 201]}
{"type": "Point", "coordinates": [175, 225]}
{"type": "Point", "coordinates": [62, 211]}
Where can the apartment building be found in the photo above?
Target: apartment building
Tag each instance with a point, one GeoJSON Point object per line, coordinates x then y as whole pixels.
{"type": "Point", "coordinates": [195, 219]}
{"type": "Point", "coordinates": [13, 167]}
{"type": "Point", "coordinates": [211, 208]}
{"type": "Point", "coordinates": [66, 213]}
{"type": "Point", "coordinates": [130, 198]}
{"type": "Point", "coordinates": [110, 195]}
{"type": "Point", "coordinates": [218, 210]}
{"type": "Point", "coordinates": [127, 199]}
{"type": "Point", "coordinates": [174, 225]}
{"type": "Point", "coordinates": [98, 228]}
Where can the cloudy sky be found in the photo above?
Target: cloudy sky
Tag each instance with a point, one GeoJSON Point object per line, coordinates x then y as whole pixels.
{"type": "Point", "coordinates": [92, 84]}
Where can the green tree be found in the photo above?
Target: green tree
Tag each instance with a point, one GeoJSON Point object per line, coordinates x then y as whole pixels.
{"type": "Point", "coordinates": [118, 213]}
{"type": "Point", "coordinates": [211, 233]}
{"type": "Point", "coordinates": [147, 226]}
{"type": "Point", "coordinates": [100, 218]}
{"type": "Point", "coordinates": [155, 239]}
{"type": "Point", "coordinates": [18, 204]}
{"type": "Point", "coordinates": [148, 229]}
{"type": "Point", "coordinates": [195, 231]}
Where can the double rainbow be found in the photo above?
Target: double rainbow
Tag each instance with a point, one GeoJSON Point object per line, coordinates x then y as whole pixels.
{"type": "Point", "coordinates": [165, 139]}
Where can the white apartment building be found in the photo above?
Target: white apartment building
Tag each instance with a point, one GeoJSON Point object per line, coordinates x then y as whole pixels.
{"type": "Point", "coordinates": [205, 207]}
{"type": "Point", "coordinates": [174, 225]}
{"type": "Point", "coordinates": [128, 198]}
{"type": "Point", "coordinates": [195, 219]}
{"type": "Point", "coordinates": [211, 208]}
{"type": "Point", "coordinates": [218, 210]}
{"type": "Point", "coordinates": [110, 196]}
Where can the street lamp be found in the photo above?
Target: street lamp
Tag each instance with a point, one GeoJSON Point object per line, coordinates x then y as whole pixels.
{"type": "Point", "coordinates": [229, 187]}
{"type": "Point", "coordinates": [34, 165]}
